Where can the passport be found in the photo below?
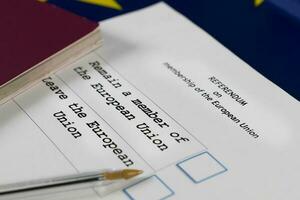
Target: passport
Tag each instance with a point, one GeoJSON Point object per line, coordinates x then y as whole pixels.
{"type": "Point", "coordinates": [37, 39]}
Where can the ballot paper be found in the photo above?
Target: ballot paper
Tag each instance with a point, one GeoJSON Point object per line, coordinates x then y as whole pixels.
{"type": "Point", "coordinates": [163, 96]}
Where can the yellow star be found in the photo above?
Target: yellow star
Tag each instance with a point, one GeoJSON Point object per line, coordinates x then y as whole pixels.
{"type": "Point", "coordinates": [106, 3]}
{"type": "Point", "coordinates": [258, 2]}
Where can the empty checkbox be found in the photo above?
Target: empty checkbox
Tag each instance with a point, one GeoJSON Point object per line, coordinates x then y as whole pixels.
{"type": "Point", "coordinates": [201, 167]}
{"type": "Point", "coordinates": [152, 188]}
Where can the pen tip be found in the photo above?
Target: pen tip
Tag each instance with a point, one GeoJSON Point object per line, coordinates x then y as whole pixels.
{"type": "Point", "coordinates": [122, 174]}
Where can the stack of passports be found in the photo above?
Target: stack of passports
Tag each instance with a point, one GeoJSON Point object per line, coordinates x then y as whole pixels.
{"type": "Point", "coordinates": [37, 39]}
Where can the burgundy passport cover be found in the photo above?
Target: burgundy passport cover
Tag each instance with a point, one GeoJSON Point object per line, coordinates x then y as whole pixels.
{"type": "Point", "coordinates": [31, 31]}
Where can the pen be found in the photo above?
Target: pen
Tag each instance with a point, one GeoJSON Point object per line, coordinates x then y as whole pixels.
{"type": "Point", "coordinates": [69, 180]}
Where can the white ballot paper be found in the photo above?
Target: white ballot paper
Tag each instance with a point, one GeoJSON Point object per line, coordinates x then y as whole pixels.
{"type": "Point", "coordinates": [165, 97]}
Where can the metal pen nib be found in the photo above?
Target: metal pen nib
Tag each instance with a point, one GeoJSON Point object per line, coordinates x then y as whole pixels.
{"type": "Point", "coordinates": [122, 174]}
